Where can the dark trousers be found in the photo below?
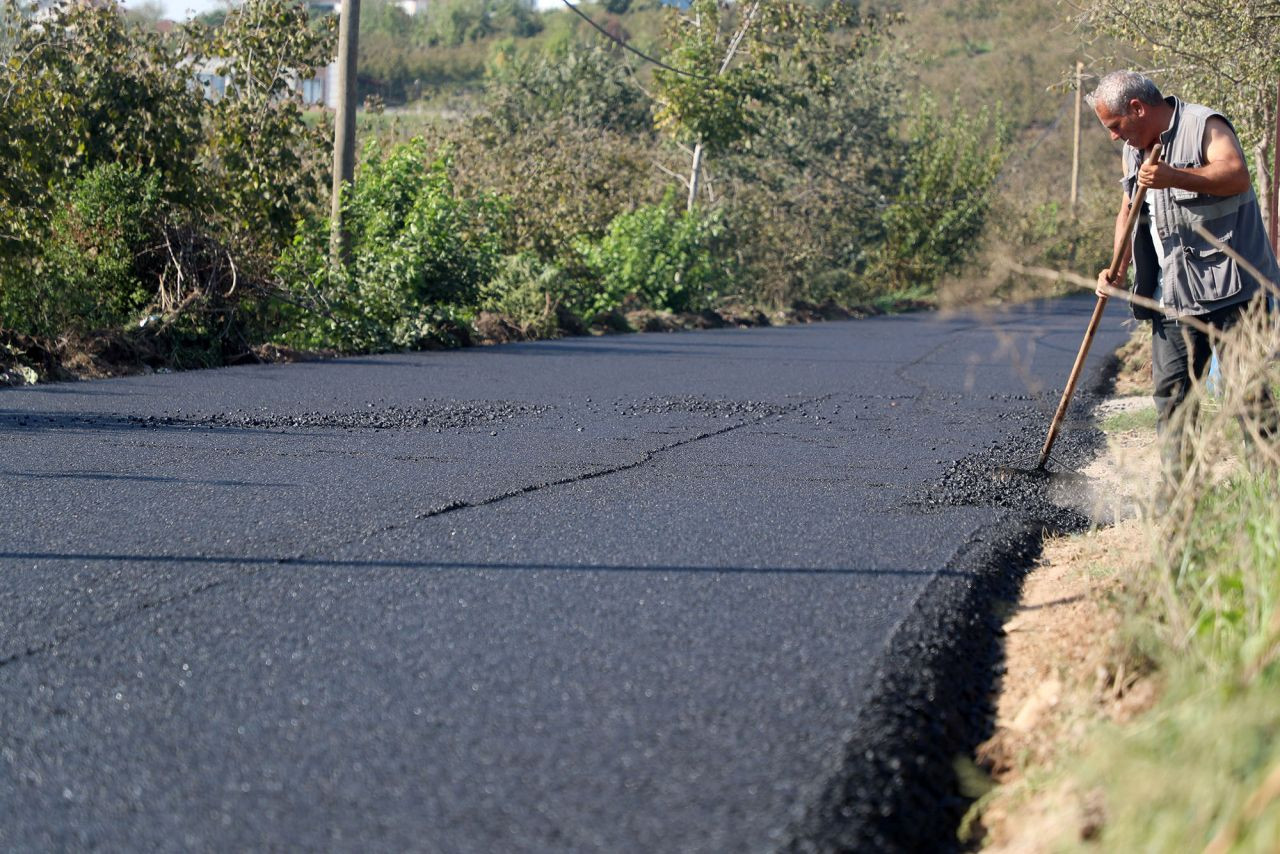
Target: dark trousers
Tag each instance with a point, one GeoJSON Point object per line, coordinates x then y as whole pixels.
{"type": "Point", "coordinates": [1180, 353]}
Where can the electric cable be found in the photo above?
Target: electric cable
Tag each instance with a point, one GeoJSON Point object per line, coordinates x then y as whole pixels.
{"type": "Point", "coordinates": [626, 46]}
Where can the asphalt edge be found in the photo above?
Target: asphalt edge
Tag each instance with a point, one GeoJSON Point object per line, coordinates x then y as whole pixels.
{"type": "Point", "coordinates": [899, 785]}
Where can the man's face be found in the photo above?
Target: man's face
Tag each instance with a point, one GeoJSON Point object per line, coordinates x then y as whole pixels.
{"type": "Point", "coordinates": [1130, 126]}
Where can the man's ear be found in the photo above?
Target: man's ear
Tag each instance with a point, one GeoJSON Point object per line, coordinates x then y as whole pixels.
{"type": "Point", "coordinates": [1138, 108]}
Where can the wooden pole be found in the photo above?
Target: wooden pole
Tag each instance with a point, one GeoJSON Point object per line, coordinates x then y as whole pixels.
{"type": "Point", "coordinates": [1075, 139]}
{"type": "Point", "coordinates": [344, 126]}
{"type": "Point", "coordinates": [1117, 261]}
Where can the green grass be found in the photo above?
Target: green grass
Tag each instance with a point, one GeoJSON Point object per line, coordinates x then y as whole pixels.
{"type": "Point", "coordinates": [1186, 775]}
{"type": "Point", "coordinates": [896, 300]}
{"type": "Point", "coordinates": [1135, 419]}
{"type": "Point", "coordinates": [1204, 765]}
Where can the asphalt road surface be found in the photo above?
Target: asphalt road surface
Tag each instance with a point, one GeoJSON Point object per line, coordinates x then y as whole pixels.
{"type": "Point", "coordinates": [613, 594]}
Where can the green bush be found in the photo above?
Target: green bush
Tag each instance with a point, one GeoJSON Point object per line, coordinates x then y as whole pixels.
{"type": "Point", "coordinates": [944, 190]}
{"type": "Point", "coordinates": [563, 183]}
{"type": "Point", "coordinates": [659, 258]}
{"type": "Point", "coordinates": [419, 256]}
{"type": "Point", "coordinates": [527, 291]}
{"type": "Point", "coordinates": [81, 89]}
{"type": "Point", "coordinates": [87, 271]}
{"type": "Point", "coordinates": [586, 85]}
{"type": "Point", "coordinates": [111, 154]}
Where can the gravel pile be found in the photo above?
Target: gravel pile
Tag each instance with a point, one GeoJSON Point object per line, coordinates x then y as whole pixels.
{"type": "Point", "coordinates": [437, 415]}
{"type": "Point", "coordinates": [703, 406]}
{"type": "Point", "coordinates": [1003, 476]}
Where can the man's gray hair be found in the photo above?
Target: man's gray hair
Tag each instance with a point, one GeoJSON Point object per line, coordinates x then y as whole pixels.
{"type": "Point", "coordinates": [1118, 88]}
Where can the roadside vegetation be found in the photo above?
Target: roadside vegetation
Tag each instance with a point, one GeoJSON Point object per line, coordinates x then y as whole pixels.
{"type": "Point", "coordinates": [529, 177]}
{"type": "Point", "coordinates": [1157, 729]}
{"type": "Point", "coordinates": [1142, 695]}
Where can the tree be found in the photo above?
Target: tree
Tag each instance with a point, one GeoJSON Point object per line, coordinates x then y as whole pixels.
{"type": "Point", "coordinates": [268, 165]}
{"type": "Point", "coordinates": [1221, 52]}
{"type": "Point", "coordinates": [942, 195]}
{"type": "Point", "coordinates": [728, 64]}
{"type": "Point", "coordinates": [80, 89]}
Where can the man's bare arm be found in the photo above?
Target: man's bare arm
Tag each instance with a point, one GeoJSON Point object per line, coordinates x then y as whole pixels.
{"type": "Point", "coordinates": [1224, 172]}
{"type": "Point", "coordinates": [1121, 238]}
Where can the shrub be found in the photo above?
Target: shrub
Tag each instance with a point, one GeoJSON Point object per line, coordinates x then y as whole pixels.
{"type": "Point", "coordinates": [82, 89]}
{"type": "Point", "coordinates": [527, 291]}
{"type": "Point", "coordinates": [84, 272]}
{"type": "Point", "coordinates": [662, 259]}
{"type": "Point", "coordinates": [419, 255]}
{"type": "Point", "coordinates": [563, 183]}
{"type": "Point", "coordinates": [586, 85]}
{"type": "Point", "coordinates": [944, 186]}
{"type": "Point", "coordinates": [111, 152]}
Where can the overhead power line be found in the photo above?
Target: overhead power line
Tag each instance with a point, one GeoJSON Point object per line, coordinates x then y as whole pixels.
{"type": "Point", "coordinates": [646, 57]}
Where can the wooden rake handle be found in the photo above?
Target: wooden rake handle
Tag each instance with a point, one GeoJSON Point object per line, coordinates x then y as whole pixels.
{"type": "Point", "coordinates": [1117, 261]}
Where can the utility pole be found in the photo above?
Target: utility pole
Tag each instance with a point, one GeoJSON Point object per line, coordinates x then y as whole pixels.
{"type": "Point", "coordinates": [1075, 147]}
{"type": "Point", "coordinates": [344, 126]}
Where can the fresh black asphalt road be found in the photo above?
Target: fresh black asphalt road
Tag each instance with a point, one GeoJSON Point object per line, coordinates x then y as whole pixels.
{"type": "Point", "coordinates": [607, 594]}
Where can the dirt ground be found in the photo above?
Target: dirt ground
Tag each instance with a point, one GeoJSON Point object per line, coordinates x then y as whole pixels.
{"type": "Point", "coordinates": [1065, 671]}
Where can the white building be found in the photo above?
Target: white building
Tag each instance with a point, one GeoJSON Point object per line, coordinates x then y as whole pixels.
{"type": "Point", "coordinates": [411, 8]}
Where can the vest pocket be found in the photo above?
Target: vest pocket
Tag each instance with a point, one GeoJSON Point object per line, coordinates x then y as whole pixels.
{"type": "Point", "coordinates": [1207, 273]}
{"type": "Point", "coordinates": [1183, 196]}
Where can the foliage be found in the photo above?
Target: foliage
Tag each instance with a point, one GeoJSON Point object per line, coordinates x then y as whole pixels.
{"type": "Point", "coordinates": [551, 198]}
{"type": "Point", "coordinates": [660, 259]}
{"type": "Point", "coordinates": [589, 86]}
{"type": "Point", "coordinates": [124, 190]}
{"type": "Point", "coordinates": [81, 89]}
{"type": "Point", "coordinates": [401, 56]}
{"type": "Point", "coordinates": [453, 22]}
{"type": "Point", "coordinates": [731, 62]}
{"type": "Point", "coordinates": [562, 182]}
{"type": "Point", "coordinates": [85, 273]}
{"type": "Point", "coordinates": [704, 100]}
{"type": "Point", "coordinates": [267, 166]}
{"type": "Point", "coordinates": [99, 127]}
{"type": "Point", "coordinates": [1041, 231]}
{"type": "Point", "coordinates": [527, 291]}
{"type": "Point", "coordinates": [933, 224]}
{"type": "Point", "coordinates": [805, 194]}
{"type": "Point", "coordinates": [419, 256]}
{"type": "Point", "coordinates": [729, 66]}
{"type": "Point", "coordinates": [1223, 53]}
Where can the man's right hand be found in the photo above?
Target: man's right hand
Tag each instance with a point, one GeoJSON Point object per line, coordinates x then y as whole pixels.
{"type": "Point", "coordinates": [1106, 284]}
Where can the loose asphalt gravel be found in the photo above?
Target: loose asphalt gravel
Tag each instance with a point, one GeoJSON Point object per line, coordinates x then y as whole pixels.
{"type": "Point", "coordinates": [717, 591]}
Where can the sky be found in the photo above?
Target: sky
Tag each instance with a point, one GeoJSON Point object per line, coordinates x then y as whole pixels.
{"type": "Point", "coordinates": [180, 10]}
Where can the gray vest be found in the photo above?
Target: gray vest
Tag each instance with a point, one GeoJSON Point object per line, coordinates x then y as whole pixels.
{"type": "Point", "coordinates": [1196, 277]}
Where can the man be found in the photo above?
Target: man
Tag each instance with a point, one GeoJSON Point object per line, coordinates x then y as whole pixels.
{"type": "Point", "coordinates": [1201, 180]}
